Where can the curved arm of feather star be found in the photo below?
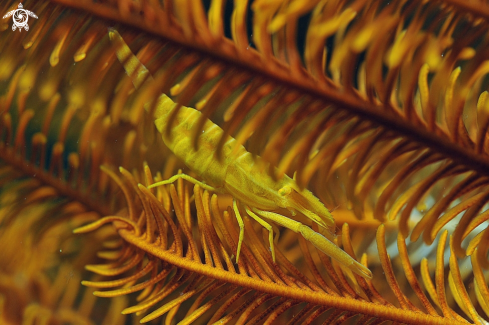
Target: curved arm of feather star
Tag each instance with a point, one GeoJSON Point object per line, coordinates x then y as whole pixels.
{"type": "Point", "coordinates": [223, 175]}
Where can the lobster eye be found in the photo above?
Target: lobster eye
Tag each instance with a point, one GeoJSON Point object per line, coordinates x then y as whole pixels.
{"type": "Point", "coordinates": [284, 190]}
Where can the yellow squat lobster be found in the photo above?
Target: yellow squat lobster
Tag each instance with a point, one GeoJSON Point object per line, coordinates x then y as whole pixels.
{"type": "Point", "coordinates": [238, 173]}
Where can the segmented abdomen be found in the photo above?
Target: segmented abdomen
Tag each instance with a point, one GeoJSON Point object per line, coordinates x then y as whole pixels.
{"type": "Point", "coordinates": [180, 140]}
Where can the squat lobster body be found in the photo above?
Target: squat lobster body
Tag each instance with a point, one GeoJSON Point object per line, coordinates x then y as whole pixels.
{"type": "Point", "coordinates": [238, 173]}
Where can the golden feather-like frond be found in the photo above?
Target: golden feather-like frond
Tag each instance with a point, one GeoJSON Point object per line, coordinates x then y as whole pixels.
{"type": "Point", "coordinates": [380, 108]}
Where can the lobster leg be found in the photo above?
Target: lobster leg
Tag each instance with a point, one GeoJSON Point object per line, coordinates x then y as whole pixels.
{"type": "Point", "coordinates": [268, 227]}
{"type": "Point", "coordinates": [187, 178]}
{"type": "Point", "coordinates": [319, 241]}
{"type": "Point", "coordinates": [211, 189]}
{"type": "Point", "coordinates": [241, 229]}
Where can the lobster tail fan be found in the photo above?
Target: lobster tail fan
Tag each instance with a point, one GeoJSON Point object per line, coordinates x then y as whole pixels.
{"type": "Point", "coordinates": [133, 67]}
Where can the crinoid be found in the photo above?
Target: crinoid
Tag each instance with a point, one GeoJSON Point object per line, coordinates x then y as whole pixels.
{"type": "Point", "coordinates": [379, 108]}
